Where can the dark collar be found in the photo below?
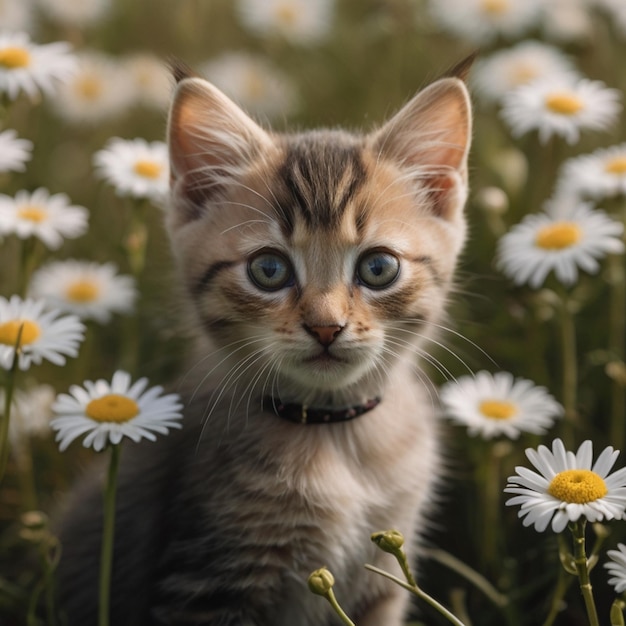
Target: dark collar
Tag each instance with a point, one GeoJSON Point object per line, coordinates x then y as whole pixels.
{"type": "Point", "coordinates": [302, 414]}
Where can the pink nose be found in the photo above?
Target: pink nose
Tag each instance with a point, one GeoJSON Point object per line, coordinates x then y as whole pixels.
{"type": "Point", "coordinates": [324, 334]}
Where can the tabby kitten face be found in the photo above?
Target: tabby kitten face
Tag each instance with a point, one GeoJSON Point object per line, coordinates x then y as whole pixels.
{"type": "Point", "coordinates": [316, 261]}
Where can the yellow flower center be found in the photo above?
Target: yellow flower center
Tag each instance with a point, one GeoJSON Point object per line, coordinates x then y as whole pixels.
{"type": "Point", "coordinates": [558, 236]}
{"type": "Point", "coordinates": [112, 408]}
{"type": "Point", "coordinates": [148, 169]}
{"type": "Point", "coordinates": [578, 486]}
{"type": "Point", "coordinates": [564, 103]}
{"type": "Point", "coordinates": [82, 291]}
{"type": "Point", "coordinates": [32, 213]}
{"type": "Point", "coordinates": [88, 87]}
{"type": "Point", "coordinates": [286, 14]}
{"type": "Point", "coordinates": [10, 330]}
{"type": "Point", "coordinates": [616, 165]}
{"type": "Point", "coordinates": [13, 58]}
{"type": "Point", "coordinates": [497, 409]}
{"type": "Point", "coordinates": [495, 7]}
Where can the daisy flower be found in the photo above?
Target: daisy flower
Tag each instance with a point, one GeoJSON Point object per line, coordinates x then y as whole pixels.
{"type": "Point", "coordinates": [503, 71]}
{"type": "Point", "coordinates": [567, 487]}
{"type": "Point", "coordinates": [45, 334]}
{"type": "Point", "coordinates": [252, 82]}
{"type": "Point", "coordinates": [560, 105]}
{"type": "Point", "coordinates": [100, 90]}
{"type": "Point", "coordinates": [567, 21]}
{"type": "Point", "coordinates": [601, 174]}
{"type": "Point", "coordinates": [72, 13]}
{"type": "Point", "coordinates": [16, 15]}
{"type": "Point", "coordinates": [89, 290]}
{"type": "Point", "coordinates": [108, 412]}
{"type": "Point", "coordinates": [562, 240]}
{"type": "Point", "coordinates": [493, 405]}
{"type": "Point", "coordinates": [483, 21]}
{"type": "Point", "coordinates": [31, 68]}
{"type": "Point", "coordinates": [30, 413]}
{"type": "Point", "coordinates": [617, 568]}
{"type": "Point", "coordinates": [39, 214]}
{"type": "Point", "coordinates": [298, 21]}
{"type": "Point", "coordinates": [135, 167]}
{"type": "Point", "coordinates": [152, 80]}
{"type": "Point", "coordinates": [14, 152]}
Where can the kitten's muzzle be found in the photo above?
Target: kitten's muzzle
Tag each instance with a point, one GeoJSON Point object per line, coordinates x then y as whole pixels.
{"type": "Point", "coordinates": [325, 335]}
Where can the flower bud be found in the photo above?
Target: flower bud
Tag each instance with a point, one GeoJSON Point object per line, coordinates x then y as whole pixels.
{"type": "Point", "coordinates": [389, 540]}
{"type": "Point", "coordinates": [492, 200]}
{"type": "Point", "coordinates": [321, 581]}
{"type": "Point", "coordinates": [34, 527]}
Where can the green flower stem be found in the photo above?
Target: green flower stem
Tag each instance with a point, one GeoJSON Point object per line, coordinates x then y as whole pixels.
{"type": "Point", "coordinates": [617, 338]}
{"type": "Point", "coordinates": [464, 570]}
{"type": "Point", "coordinates": [28, 263]}
{"type": "Point", "coordinates": [391, 541]}
{"type": "Point", "coordinates": [617, 613]}
{"type": "Point", "coordinates": [570, 362]}
{"type": "Point", "coordinates": [8, 400]}
{"type": "Point", "coordinates": [49, 554]}
{"type": "Point", "coordinates": [108, 533]}
{"type": "Point", "coordinates": [582, 568]}
{"type": "Point", "coordinates": [490, 462]}
{"type": "Point", "coordinates": [135, 246]}
{"type": "Point", "coordinates": [413, 588]}
{"type": "Point", "coordinates": [330, 596]}
{"type": "Point", "coordinates": [26, 474]}
{"type": "Point", "coordinates": [137, 238]}
{"type": "Point", "coordinates": [563, 583]}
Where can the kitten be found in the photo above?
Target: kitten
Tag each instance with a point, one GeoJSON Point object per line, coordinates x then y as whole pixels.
{"type": "Point", "coordinates": [317, 265]}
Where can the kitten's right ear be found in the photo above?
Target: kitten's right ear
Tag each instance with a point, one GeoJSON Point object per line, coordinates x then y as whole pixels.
{"type": "Point", "coordinates": [211, 141]}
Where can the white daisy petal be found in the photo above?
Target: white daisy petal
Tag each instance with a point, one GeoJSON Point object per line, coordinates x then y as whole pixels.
{"type": "Point", "coordinates": [255, 84]}
{"type": "Point", "coordinates": [561, 105]}
{"type": "Point", "coordinates": [507, 69]}
{"type": "Point", "coordinates": [560, 240]}
{"type": "Point", "coordinates": [108, 412]}
{"type": "Point", "coordinates": [298, 21]}
{"type": "Point", "coordinates": [14, 152]}
{"type": "Point", "coordinates": [605, 461]}
{"type": "Point", "coordinates": [90, 290]}
{"type": "Point", "coordinates": [101, 89]}
{"type": "Point", "coordinates": [77, 14]}
{"type": "Point", "coordinates": [135, 167]}
{"type": "Point", "coordinates": [569, 487]}
{"type": "Point", "coordinates": [31, 68]}
{"type": "Point", "coordinates": [50, 218]}
{"type": "Point", "coordinates": [498, 405]}
{"type": "Point", "coordinates": [50, 337]}
{"type": "Point", "coordinates": [601, 174]}
{"type": "Point", "coordinates": [481, 21]}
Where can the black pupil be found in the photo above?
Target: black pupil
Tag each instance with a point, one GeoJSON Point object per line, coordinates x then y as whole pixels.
{"type": "Point", "coordinates": [377, 266]}
{"type": "Point", "coordinates": [270, 267]}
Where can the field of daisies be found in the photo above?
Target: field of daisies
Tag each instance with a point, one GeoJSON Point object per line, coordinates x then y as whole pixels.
{"type": "Point", "coordinates": [530, 526]}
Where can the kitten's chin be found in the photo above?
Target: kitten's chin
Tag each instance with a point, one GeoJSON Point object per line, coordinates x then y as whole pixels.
{"type": "Point", "coordinates": [324, 374]}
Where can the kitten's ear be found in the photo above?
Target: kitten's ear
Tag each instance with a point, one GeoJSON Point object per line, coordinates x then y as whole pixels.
{"type": "Point", "coordinates": [431, 137]}
{"type": "Point", "coordinates": [211, 141]}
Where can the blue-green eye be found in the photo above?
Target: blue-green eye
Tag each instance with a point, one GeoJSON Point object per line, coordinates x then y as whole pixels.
{"type": "Point", "coordinates": [377, 269]}
{"type": "Point", "coordinates": [270, 271]}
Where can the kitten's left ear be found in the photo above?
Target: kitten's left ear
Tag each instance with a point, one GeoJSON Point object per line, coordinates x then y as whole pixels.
{"type": "Point", "coordinates": [431, 137]}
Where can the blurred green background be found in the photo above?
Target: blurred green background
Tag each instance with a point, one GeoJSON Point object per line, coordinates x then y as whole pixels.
{"type": "Point", "coordinates": [375, 55]}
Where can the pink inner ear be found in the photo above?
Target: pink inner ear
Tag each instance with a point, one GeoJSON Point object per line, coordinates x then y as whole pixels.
{"type": "Point", "coordinates": [442, 192]}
